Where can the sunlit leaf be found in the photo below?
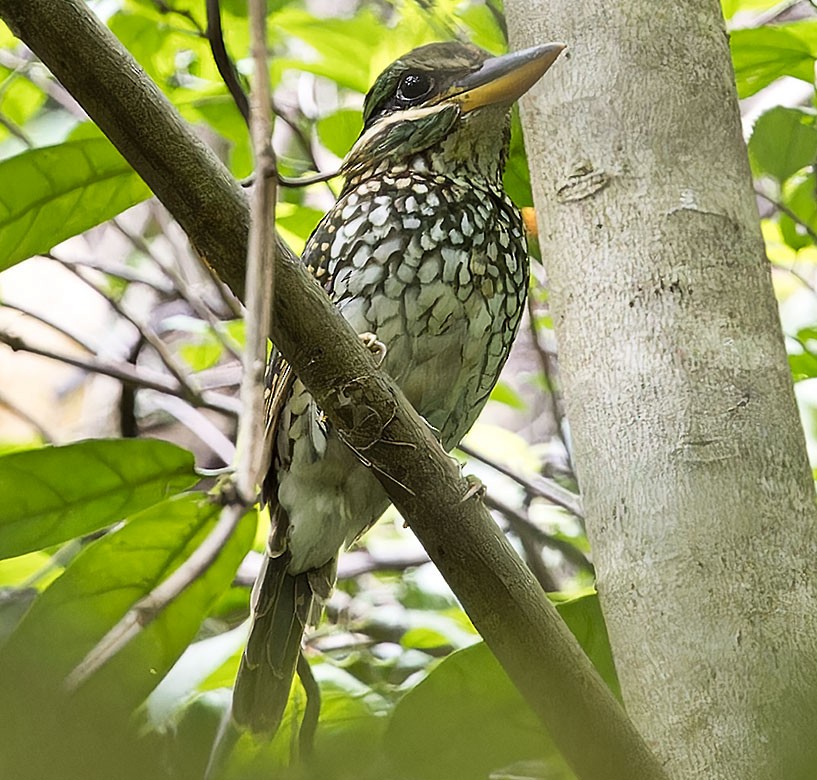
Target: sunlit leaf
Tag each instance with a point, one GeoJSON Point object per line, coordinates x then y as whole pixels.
{"type": "Point", "coordinates": [220, 112]}
{"type": "Point", "coordinates": [296, 223]}
{"type": "Point", "coordinates": [503, 393]}
{"type": "Point", "coordinates": [331, 44]}
{"type": "Point", "coordinates": [517, 175]}
{"type": "Point", "coordinates": [339, 130]}
{"type": "Point", "coordinates": [800, 198]}
{"type": "Point", "coordinates": [731, 7]}
{"type": "Point", "coordinates": [783, 141]}
{"type": "Point", "coordinates": [203, 355]}
{"type": "Point", "coordinates": [7, 39]}
{"type": "Point", "coordinates": [762, 55]}
{"type": "Point", "coordinates": [484, 27]}
{"type": "Point", "coordinates": [53, 193]}
{"type": "Point", "coordinates": [53, 494]}
{"type": "Point", "coordinates": [20, 99]}
{"type": "Point", "coordinates": [167, 46]}
{"type": "Point", "coordinates": [109, 577]}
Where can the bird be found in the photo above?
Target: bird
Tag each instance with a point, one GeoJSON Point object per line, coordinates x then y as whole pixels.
{"type": "Point", "coordinates": [425, 255]}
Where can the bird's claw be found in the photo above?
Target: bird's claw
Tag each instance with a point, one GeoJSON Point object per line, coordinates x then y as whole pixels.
{"type": "Point", "coordinates": [375, 346]}
{"type": "Point", "coordinates": [476, 487]}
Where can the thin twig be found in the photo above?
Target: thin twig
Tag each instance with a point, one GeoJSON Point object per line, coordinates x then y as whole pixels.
{"type": "Point", "coordinates": [782, 207]}
{"type": "Point", "coordinates": [547, 365]}
{"type": "Point", "coordinates": [799, 277]}
{"type": "Point", "coordinates": [251, 444]}
{"type": "Point", "coordinates": [199, 426]}
{"type": "Point", "coordinates": [131, 375]}
{"type": "Point", "coordinates": [248, 461]}
{"type": "Point", "coordinates": [124, 273]}
{"type": "Point", "coordinates": [50, 86]}
{"type": "Point", "coordinates": [180, 373]}
{"type": "Point", "coordinates": [306, 144]}
{"type": "Point", "coordinates": [196, 302]}
{"type": "Point", "coordinates": [147, 609]}
{"type": "Point", "coordinates": [350, 564]}
{"type": "Point", "coordinates": [16, 131]}
{"type": "Point", "coordinates": [226, 67]}
{"type": "Point", "coordinates": [535, 485]}
{"type": "Point", "coordinates": [58, 327]}
{"type": "Point", "coordinates": [305, 181]}
{"type": "Point", "coordinates": [771, 16]}
{"type": "Point", "coordinates": [164, 8]}
{"type": "Point", "coordinates": [169, 228]}
{"type": "Point", "coordinates": [569, 551]}
{"type": "Point", "coordinates": [229, 73]}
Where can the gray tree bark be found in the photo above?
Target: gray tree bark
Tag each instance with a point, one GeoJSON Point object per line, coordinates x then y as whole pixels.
{"type": "Point", "coordinates": [688, 446]}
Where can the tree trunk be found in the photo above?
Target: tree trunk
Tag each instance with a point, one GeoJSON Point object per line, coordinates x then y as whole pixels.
{"type": "Point", "coordinates": [689, 451]}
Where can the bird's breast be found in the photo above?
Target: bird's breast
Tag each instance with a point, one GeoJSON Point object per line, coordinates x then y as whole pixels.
{"type": "Point", "coordinates": [437, 268]}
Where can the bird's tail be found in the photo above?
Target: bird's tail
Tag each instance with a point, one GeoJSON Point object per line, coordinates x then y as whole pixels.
{"type": "Point", "coordinates": [281, 606]}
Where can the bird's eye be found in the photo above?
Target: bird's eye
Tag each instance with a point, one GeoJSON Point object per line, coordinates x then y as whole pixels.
{"type": "Point", "coordinates": [414, 86]}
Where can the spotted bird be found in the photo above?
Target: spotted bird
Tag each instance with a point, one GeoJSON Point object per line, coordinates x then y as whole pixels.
{"type": "Point", "coordinates": [424, 249]}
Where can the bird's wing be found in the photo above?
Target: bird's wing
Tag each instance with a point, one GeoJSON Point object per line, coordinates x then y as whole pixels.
{"type": "Point", "coordinates": [280, 380]}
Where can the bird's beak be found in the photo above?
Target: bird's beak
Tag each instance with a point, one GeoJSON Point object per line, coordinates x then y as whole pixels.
{"type": "Point", "coordinates": [503, 79]}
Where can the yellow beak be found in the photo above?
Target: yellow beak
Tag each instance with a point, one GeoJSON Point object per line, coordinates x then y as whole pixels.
{"type": "Point", "coordinates": [504, 79]}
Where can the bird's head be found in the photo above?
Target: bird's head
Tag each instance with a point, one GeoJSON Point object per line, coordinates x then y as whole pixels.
{"type": "Point", "coordinates": [445, 106]}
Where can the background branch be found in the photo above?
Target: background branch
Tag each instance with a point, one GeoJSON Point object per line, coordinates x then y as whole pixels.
{"type": "Point", "coordinates": [226, 67]}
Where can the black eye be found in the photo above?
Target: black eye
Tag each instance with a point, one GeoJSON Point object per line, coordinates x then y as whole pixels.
{"type": "Point", "coordinates": [413, 86]}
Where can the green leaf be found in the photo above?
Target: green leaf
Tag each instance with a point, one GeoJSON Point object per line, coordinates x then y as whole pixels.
{"type": "Point", "coordinates": [449, 714]}
{"type": "Point", "coordinates": [584, 618]}
{"type": "Point", "coordinates": [202, 355]}
{"type": "Point", "coordinates": [339, 130]}
{"type": "Point", "coordinates": [783, 141]}
{"type": "Point", "coordinates": [803, 362]}
{"type": "Point", "coordinates": [800, 197]}
{"type": "Point", "coordinates": [105, 580]}
{"type": "Point", "coordinates": [220, 112]}
{"type": "Point", "coordinates": [42, 726]}
{"type": "Point", "coordinates": [331, 43]}
{"type": "Point", "coordinates": [53, 494]}
{"type": "Point", "coordinates": [503, 393]}
{"type": "Point", "coordinates": [484, 27]}
{"type": "Point", "coordinates": [468, 695]}
{"type": "Point", "coordinates": [731, 7]}
{"type": "Point", "coordinates": [296, 223]}
{"type": "Point", "coordinates": [53, 193]}
{"type": "Point", "coordinates": [351, 723]}
{"type": "Point", "coordinates": [20, 99]}
{"type": "Point", "coordinates": [762, 55]}
{"type": "Point", "coordinates": [7, 39]}
{"type": "Point", "coordinates": [802, 366]}
{"type": "Point", "coordinates": [517, 175]}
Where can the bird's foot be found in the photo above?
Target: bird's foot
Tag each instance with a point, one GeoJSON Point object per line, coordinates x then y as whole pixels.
{"type": "Point", "coordinates": [375, 346]}
{"type": "Point", "coordinates": [476, 487]}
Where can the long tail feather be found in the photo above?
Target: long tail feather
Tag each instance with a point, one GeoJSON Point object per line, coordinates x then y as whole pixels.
{"type": "Point", "coordinates": [281, 604]}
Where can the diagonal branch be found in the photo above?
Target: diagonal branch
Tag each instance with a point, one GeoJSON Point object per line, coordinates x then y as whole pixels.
{"type": "Point", "coordinates": [531, 641]}
{"type": "Point", "coordinates": [126, 373]}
